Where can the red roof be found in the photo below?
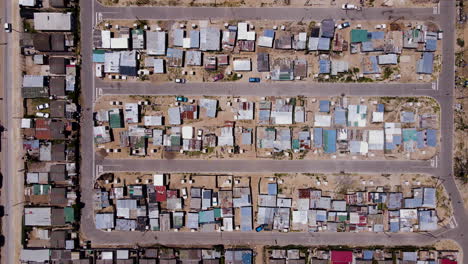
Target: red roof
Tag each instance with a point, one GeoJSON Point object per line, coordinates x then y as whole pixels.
{"type": "Point", "coordinates": [341, 257]}
{"type": "Point", "coordinates": [447, 261]}
{"type": "Point", "coordinates": [304, 193]}
{"type": "Point", "coordinates": [171, 193]}
{"type": "Point", "coordinates": [160, 193]}
{"type": "Point", "coordinates": [43, 129]}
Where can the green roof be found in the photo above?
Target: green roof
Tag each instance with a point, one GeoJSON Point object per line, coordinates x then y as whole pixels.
{"type": "Point", "coordinates": [69, 214]}
{"type": "Point", "coordinates": [295, 143]}
{"type": "Point", "coordinates": [99, 51]}
{"type": "Point", "coordinates": [217, 212]}
{"type": "Point", "coordinates": [358, 35]}
{"type": "Point", "coordinates": [115, 121]}
{"type": "Point", "coordinates": [41, 189]}
{"type": "Point", "coordinates": [175, 140]}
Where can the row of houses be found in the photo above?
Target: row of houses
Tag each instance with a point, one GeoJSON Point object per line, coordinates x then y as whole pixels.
{"type": "Point", "coordinates": [360, 256]}
{"type": "Point", "coordinates": [154, 206]}
{"type": "Point", "coordinates": [342, 128]}
{"type": "Point", "coordinates": [50, 130]}
{"type": "Point", "coordinates": [118, 50]}
{"type": "Point", "coordinates": [163, 255]}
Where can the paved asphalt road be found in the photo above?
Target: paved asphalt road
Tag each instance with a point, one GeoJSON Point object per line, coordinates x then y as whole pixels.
{"type": "Point", "coordinates": [443, 95]}
{"type": "Point", "coordinates": [266, 89]}
{"type": "Point", "coordinates": [280, 166]}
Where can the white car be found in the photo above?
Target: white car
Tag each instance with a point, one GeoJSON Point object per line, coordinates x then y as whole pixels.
{"type": "Point", "coordinates": [180, 80]}
{"type": "Point", "coordinates": [144, 103]}
{"type": "Point", "coordinates": [184, 193]}
{"type": "Point", "coordinates": [41, 114]}
{"type": "Point", "coordinates": [348, 7]}
{"type": "Point", "coordinates": [7, 27]}
{"type": "Point", "coordinates": [42, 106]}
{"type": "Point", "coordinates": [214, 201]}
{"type": "Point", "coordinates": [199, 134]}
{"type": "Point", "coordinates": [115, 103]}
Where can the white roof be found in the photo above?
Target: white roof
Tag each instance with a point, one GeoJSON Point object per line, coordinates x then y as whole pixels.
{"type": "Point", "coordinates": [227, 224]}
{"type": "Point", "coordinates": [107, 255]}
{"type": "Point", "coordinates": [106, 39]}
{"type": "Point", "coordinates": [251, 35]}
{"type": "Point", "coordinates": [299, 217]}
{"type": "Point", "coordinates": [187, 132]}
{"type": "Point", "coordinates": [52, 21]}
{"type": "Point", "coordinates": [376, 139]}
{"type": "Point", "coordinates": [122, 254]}
{"type": "Point", "coordinates": [111, 62]}
{"type": "Point", "coordinates": [377, 117]}
{"type": "Point", "coordinates": [152, 120]}
{"type": "Point", "coordinates": [186, 43]}
{"type": "Point", "coordinates": [131, 113]}
{"type": "Point", "coordinates": [242, 29]}
{"type": "Point", "coordinates": [119, 43]}
{"type": "Point", "coordinates": [322, 120]}
{"type": "Point", "coordinates": [264, 41]}
{"type": "Point", "coordinates": [26, 123]}
{"type": "Point", "coordinates": [37, 216]}
{"type": "Point", "coordinates": [35, 255]}
{"type": "Point", "coordinates": [242, 65]}
{"type": "Point", "coordinates": [27, 2]}
{"type": "Point", "coordinates": [158, 179]}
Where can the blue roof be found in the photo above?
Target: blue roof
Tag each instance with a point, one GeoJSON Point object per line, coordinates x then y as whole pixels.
{"type": "Point", "coordinates": [340, 116]}
{"type": "Point", "coordinates": [394, 226]}
{"type": "Point", "coordinates": [272, 189]}
{"type": "Point", "coordinates": [431, 137]}
{"type": "Point", "coordinates": [374, 64]}
{"type": "Point", "coordinates": [324, 44]}
{"type": "Point", "coordinates": [431, 45]}
{"type": "Point", "coordinates": [376, 35]}
{"type": "Point", "coordinates": [324, 66]}
{"type": "Point", "coordinates": [246, 218]}
{"type": "Point", "coordinates": [368, 254]}
{"type": "Point", "coordinates": [407, 117]}
{"type": "Point", "coordinates": [420, 140]}
{"type": "Point", "coordinates": [194, 39]}
{"type": "Point", "coordinates": [380, 107]}
{"type": "Point", "coordinates": [99, 57]}
{"type": "Point", "coordinates": [329, 138]}
{"type": "Point", "coordinates": [246, 257]}
{"type": "Point", "coordinates": [426, 63]}
{"type": "Point", "coordinates": [206, 217]}
{"type": "Point", "coordinates": [324, 106]}
{"type": "Point", "coordinates": [321, 217]}
{"type": "Point", "coordinates": [318, 131]}
{"type": "Point", "coordinates": [269, 33]}
{"type": "Point", "coordinates": [390, 145]}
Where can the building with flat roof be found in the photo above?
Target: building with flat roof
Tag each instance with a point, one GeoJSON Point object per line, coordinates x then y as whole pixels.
{"type": "Point", "coordinates": [52, 21]}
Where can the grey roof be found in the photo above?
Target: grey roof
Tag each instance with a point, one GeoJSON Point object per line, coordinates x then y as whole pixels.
{"type": "Point", "coordinates": [104, 221]}
{"type": "Point", "coordinates": [156, 42]}
{"type": "Point", "coordinates": [33, 81]}
{"type": "Point", "coordinates": [52, 21]}
{"type": "Point", "coordinates": [194, 39]}
{"type": "Point", "coordinates": [174, 116]}
{"type": "Point", "coordinates": [426, 63]}
{"type": "Point", "coordinates": [327, 28]}
{"type": "Point", "coordinates": [178, 37]}
{"type": "Point", "coordinates": [388, 59]}
{"type": "Point", "coordinates": [175, 57]}
{"type": "Point", "coordinates": [210, 105]}
{"type": "Point", "coordinates": [57, 65]}
{"type": "Point", "coordinates": [193, 58]}
{"type": "Point", "coordinates": [263, 62]}
{"type": "Point", "coordinates": [210, 39]}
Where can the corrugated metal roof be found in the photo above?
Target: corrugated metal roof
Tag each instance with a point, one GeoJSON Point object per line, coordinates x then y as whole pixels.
{"type": "Point", "coordinates": [324, 106]}
{"type": "Point", "coordinates": [324, 66]}
{"type": "Point", "coordinates": [358, 35]}
{"type": "Point", "coordinates": [329, 139]}
{"type": "Point", "coordinates": [426, 63]}
{"type": "Point", "coordinates": [318, 131]}
{"type": "Point", "coordinates": [431, 135]}
{"type": "Point", "coordinates": [246, 218]}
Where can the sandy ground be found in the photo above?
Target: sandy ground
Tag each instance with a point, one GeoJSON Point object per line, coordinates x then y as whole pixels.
{"type": "Point", "coordinates": [334, 185]}
{"type": "Point", "coordinates": [270, 3]}
{"type": "Point", "coordinates": [226, 112]}
{"type": "Point", "coordinates": [405, 71]}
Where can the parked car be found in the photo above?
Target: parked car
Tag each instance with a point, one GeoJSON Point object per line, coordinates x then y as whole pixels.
{"type": "Point", "coordinates": [181, 99]}
{"type": "Point", "coordinates": [218, 77]}
{"type": "Point", "coordinates": [180, 80]}
{"type": "Point", "coordinates": [440, 35]}
{"type": "Point", "coordinates": [199, 134]}
{"type": "Point", "coordinates": [348, 7]}
{"type": "Point", "coordinates": [41, 114]}
{"type": "Point", "coordinates": [42, 106]}
{"type": "Point", "coordinates": [115, 103]}
{"type": "Point", "coordinates": [144, 103]}
{"type": "Point", "coordinates": [254, 79]}
{"type": "Point", "coordinates": [260, 228]}
{"type": "Point", "coordinates": [344, 25]}
{"type": "Point", "coordinates": [7, 27]}
{"type": "Point", "coordinates": [184, 193]}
